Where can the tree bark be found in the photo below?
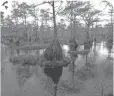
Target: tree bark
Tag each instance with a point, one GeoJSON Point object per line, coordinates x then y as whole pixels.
{"type": "Point", "coordinates": [111, 23]}
{"type": "Point", "coordinates": [54, 21]}
{"type": "Point", "coordinates": [26, 29]}
{"type": "Point", "coordinates": [71, 24]}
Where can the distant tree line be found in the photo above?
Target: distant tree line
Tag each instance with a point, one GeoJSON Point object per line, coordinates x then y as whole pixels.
{"type": "Point", "coordinates": [74, 14]}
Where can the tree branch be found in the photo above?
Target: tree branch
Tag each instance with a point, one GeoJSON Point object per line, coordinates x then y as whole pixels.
{"type": "Point", "coordinates": [58, 11]}
{"type": "Point", "coordinates": [84, 19]}
{"type": "Point", "coordinates": [44, 3]}
{"type": "Point", "coordinates": [48, 12]}
{"type": "Point", "coordinates": [59, 8]}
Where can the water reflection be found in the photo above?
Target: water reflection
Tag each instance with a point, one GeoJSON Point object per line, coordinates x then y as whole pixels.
{"type": "Point", "coordinates": [23, 73]}
{"type": "Point", "coordinates": [100, 48]}
{"type": "Point", "coordinates": [98, 53]}
{"type": "Point", "coordinates": [66, 48]}
{"type": "Point", "coordinates": [103, 50]}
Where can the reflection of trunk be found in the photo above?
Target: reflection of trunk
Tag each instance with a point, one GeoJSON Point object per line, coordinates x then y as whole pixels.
{"type": "Point", "coordinates": [11, 50]}
{"type": "Point", "coordinates": [18, 52]}
{"type": "Point", "coordinates": [86, 62]}
{"type": "Point", "coordinates": [72, 70]}
{"type": "Point", "coordinates": [102, 89]}
{"type": "Point", "coordinates": [87, 42]}
{"type": "Point", "coordinates": [55, 90]}
{"type": "Point", "coordinates": [48, 30]}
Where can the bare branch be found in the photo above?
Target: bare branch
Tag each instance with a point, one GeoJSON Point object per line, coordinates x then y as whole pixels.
{"type": "Point", "coordinates": [59, 11]}
{"type": "Point", "coordinates": [48, 12]}
{"type": "Point", "coordinates": [84, 19]}
{"type": "Point", "coordinates": [44, 3]}
{"type": "Point", "coordinates": [59, 8]}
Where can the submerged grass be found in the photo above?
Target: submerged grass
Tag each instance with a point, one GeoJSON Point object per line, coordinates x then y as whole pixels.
{"type": "Point", "coordinates": [65, 86]}
{"type": "Point", "coordinates": [86, 73]}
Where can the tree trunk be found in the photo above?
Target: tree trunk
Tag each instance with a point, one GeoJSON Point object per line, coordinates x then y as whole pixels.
{"type": "Point", "coordinates": [54, 21]}
{"type": "Point", "coordinates": [71, 23]}
{"type": "Point", "coordinates": [37, 34]}
{"type": "Point", "coordinates": [26, 29]}
{"type": "Point", "coordinates": [111, 33]}
{"type": "Point", "coordinates": [74, 29]}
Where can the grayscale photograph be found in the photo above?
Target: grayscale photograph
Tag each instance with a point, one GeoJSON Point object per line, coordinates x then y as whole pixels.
{"type": "Point", "coordinates": [57, 47]}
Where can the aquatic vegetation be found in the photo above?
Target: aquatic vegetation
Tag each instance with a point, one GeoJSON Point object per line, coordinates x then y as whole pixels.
{"type": "Point", "coordinates": [25, 60]}
{"type": "Point", "coordinates": [33, 47]}
{"type": "Point", "coordinates": [108, 71]}
{"type": "Point", "coordinates": [86, 73]}
{"type": "Point", "coordinates": [66, 87]}
{"type": "Point", "coordinates": [63, 86]}
{"type": "Point", "coordinates": [82, 52]}
{"type": "Point", "coordinates": [54, 63]}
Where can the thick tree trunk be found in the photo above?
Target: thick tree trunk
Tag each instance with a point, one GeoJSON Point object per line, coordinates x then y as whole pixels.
{"type": "Point", "coordinates": [54, 21]}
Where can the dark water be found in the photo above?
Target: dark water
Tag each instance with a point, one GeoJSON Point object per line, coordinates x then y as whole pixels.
{"type": "Point", "coordinates": [29, 80]}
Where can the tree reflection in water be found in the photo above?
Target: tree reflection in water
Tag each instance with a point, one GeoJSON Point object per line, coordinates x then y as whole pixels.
{"type": "Point", "coordinates": [23, 73]}
{"type": "Point", "coordinates": [47, 86]}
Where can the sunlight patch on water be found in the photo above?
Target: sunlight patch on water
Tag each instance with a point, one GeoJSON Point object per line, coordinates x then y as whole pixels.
{"type": "Point", "coordinates": [41, 51]}
{"type": "Point", "coordinates": [103, 50]}
{"type": "Point", "coordinates": [66, 48]}
{"type": "Point", "coordinates": [80, 48]}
